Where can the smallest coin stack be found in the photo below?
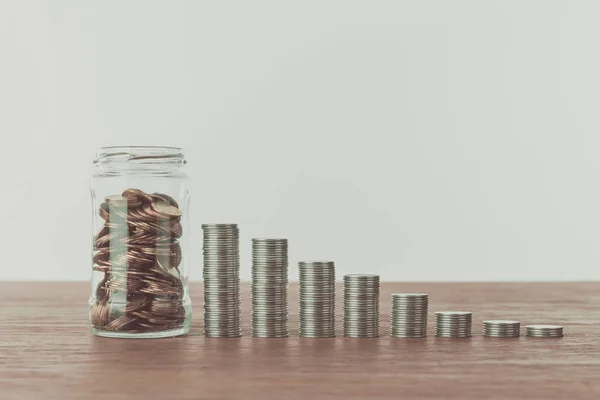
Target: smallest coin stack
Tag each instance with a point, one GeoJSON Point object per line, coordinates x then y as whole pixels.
{"type": "Point", "coordinates": [501, 328]}
{"type": "Point", "coordinates": [361, 306]}
{"type": "Point", "coordinates": [453, 324]}
{"type": "Point", "coordinates": [545, 331]}
{"type": "Point", "coordinates": [408, 315]}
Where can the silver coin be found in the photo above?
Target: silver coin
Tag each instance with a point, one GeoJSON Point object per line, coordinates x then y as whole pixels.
{"type": "Point", "coordinates": [408, 315]}
{"type": "Point", "coordinates": [222, 300]}
{"type": "Point", "coordinates": [544, 331]}
{"type": "Point", "coordinates": [269, 315]}
{"type": "Point", "coordinates": [453, 324]}
{"type": "Point", "coordinates": [360, 306]}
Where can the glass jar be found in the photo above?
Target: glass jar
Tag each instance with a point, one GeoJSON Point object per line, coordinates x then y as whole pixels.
{"type": "Point", "coordinates": [140, 197]}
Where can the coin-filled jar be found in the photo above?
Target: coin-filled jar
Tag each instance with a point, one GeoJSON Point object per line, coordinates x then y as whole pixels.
{"type": "Point", "coordinates": [140, 198]}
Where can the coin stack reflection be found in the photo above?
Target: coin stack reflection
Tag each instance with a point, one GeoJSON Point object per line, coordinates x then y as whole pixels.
{"type": "Point", "coordinates": [501, 328]}
{"type": "Point", "coordinates": [221, 281]}
{"type": "Point", "coordinates": [269, 288]}
{"type": "Point", "coordinates": [408, 315]}
{"type": "Point", "coordinates": [316, 299]}
{"type": "Point", "coordinates": [545, 331]}
{"type": "Point", "coordinates": [361, 306]}
{"type": "Point", "coordinates": [453, 324]}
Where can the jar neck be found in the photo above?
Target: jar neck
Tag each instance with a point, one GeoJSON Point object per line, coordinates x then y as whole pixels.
{"type": "Point", "coordinates": [139, 159]}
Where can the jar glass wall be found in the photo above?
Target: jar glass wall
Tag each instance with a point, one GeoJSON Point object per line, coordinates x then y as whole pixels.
{"type": "Point", "coordinates": [139, 285]}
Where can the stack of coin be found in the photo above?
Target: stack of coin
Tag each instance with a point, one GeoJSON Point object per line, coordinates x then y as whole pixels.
{"type": "Point", "coordinates": [222, 312]}
{"type": "Point", "coordinates": [361, 306]}
{"type": "Point", "coordinates": [408, 315]}
{"type": "Point", "coordinates": [501, 328]}
{"type": "Point", "coordinates": [316, 299]}
{"type": "Point", "coordinates": [269, 288]}
{"type": "Point", "coordinates": [453, 324]}
{"type": "Point", "coordinates": [546, 331]}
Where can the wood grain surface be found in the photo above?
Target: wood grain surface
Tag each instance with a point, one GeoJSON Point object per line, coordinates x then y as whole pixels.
{"type": "Point", "coordinates": [47, 352]}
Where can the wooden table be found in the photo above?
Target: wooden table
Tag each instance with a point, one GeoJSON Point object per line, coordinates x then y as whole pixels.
{"type": "Point", "coordinates": [47, 352]}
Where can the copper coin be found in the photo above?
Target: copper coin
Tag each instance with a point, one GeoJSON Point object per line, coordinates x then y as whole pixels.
{"type": "Point", "coordinates": [109, 239]}
{"type": "Point", "coordinates": [101, 292]}
{"type": "Point", "coordinates": [101, 255]}
{"type": "Point", "coordinates": [165, 198]}
{"type": "Point", "coordinates": [169, 262]}
{"type": "Point", "coordinates": [163, 287]}
{"type": "Point", "coordinates": [116, 200]}
{"type": "Point", "coordinates": [136, 302]}
{"type": "Point", "coordinates": [99, 314]}
{"type": "Point", "coordinates": [135, 256]}
{"type": "Point", "coordinates": [166, 210]}
{"type": "Point", "coordinates": [145, 239]}
{"type": "Point", "coordinates": [115, 216]}
{"type": "Point", "coordinates": [177, 257]}
{"type": "Point", "coordinates": [119, 324]}
{"type": "Point", "coordinates": [142, 214]}
{"type": "Point", "coordinates": [103, 211]}
{"type": "Point", "coordinates": [177, 230]}
{"type": "Point", "coordinates": [100, 268]}
{"type": "Point", "coordinates": [170, 229]}
{"type": "Point", "coordinates": [142, 225]}
{"type": "Point", "coordinates": [177, 254]}
{"type": "Point", "coordinates": [150, 213]}
{"type": "Point", "coordinates": [130, 259]}
{"type": "Point", "coordinates": [155, 251]}
{"type": "Point", "coordinates": [124, 284]}
{"type": "Point", "coordinates": [136, 197]}
{"type": "Point", "coordinates": [103, 231]}
{"type": "Point", "coordinates": [116, 226]}
{"type": "Point", "coordinates": [169, 308]}
{"type": "Point", "coordinates": [161, 273]}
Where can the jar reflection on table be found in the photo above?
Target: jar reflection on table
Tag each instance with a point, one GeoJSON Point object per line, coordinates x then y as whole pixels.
{"type": "Point", "coordinates": [140, 199]}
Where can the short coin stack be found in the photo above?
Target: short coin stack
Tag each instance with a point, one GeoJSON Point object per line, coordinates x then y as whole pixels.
{"type": "Point", "coordinates": [316, 299]}
{"type": "Point", "coordinates": [453, 324]}
{"type": "Point", "coordinates": [408, 315]}
{"type": "Point", "coordinates": [546, 331]}
{"type": "Point", "coordinates": [361, 306]}
{"type": "Point", "coordinates": [269, 288]}
{"type": "Point", "coordinates": [222, 314]}
{"type": "Point", "coordinates": [501, 328]}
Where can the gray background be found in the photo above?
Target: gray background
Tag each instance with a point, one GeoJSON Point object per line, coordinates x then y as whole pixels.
{"type": "Point", "coordinates": [424, 140]}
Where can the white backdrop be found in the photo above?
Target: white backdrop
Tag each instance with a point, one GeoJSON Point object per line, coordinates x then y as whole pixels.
{"type": "Point", "coordinates": [424, 140]}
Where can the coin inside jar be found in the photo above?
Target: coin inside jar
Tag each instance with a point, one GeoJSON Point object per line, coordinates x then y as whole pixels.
{"type": "Point", "coordinates": [177, 230]}
{"type": "Point", "coordinates": [165, 198]}
{"type": "Point", "coordinates": [138, 252]}
{"type": "Point", "coordinates": [167, 210]}
{"type": "Point", "coordinates": [115, 200]}
{"type": "Point", "coordinates": [103, 211]}
{"type": "Point", "coordinates": [136, 197]}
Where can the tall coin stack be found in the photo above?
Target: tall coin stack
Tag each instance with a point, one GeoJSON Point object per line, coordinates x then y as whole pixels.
{"type": "Point", "coordinates": [222, 314]}
{"type": "Point", "coordinates": [408, 315]}
{"type": "Point", "coordinates": [453, 324]}
{"type": "Point", "coordinates": [269, 288]}
{"type": "Point", "coordinates": [361, 306]}
{"type": "Point", "coordinates": [501, 328]}
{"type": "Point", "coordinates": [316, 299]}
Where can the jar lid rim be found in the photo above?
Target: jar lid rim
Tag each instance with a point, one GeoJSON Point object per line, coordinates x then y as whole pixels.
{"type": "Point", "coordinates": [138, 147]}
{"type": "Point", "coordinates": [139, 154]}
